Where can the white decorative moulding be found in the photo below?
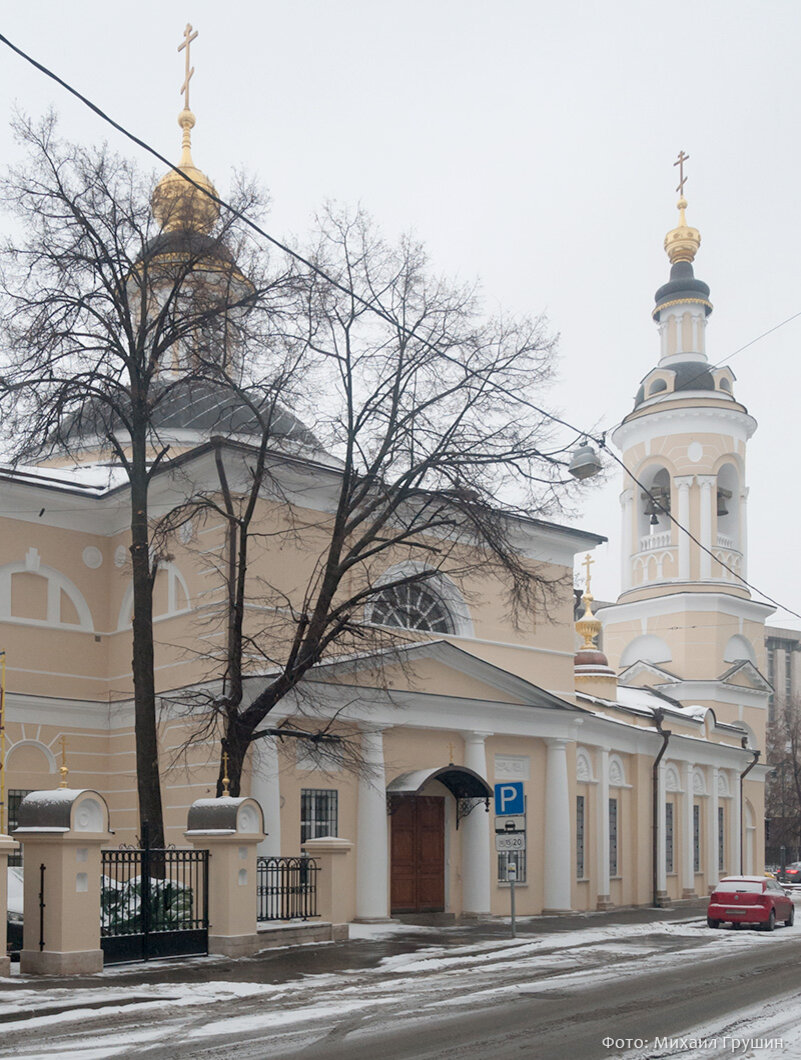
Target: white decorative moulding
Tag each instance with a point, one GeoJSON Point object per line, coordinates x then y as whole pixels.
{"type": "Point", "coordinates": [120, 555]}
{"type": "Point", "coordinates": [92, 557]}
{"type": "Point", "coordinates": [695, 452]}
{"type": "Point", "coordinates": [512, 767]}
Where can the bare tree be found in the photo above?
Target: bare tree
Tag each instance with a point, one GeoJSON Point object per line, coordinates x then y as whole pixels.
{"type": "Point", "coordinates": [422, 437]}
{"type": "Point", "coordinates": [108, 313]}
{"type": "Point", "coordinates": [783, 782]}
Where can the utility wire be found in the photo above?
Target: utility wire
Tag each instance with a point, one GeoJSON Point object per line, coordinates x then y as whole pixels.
{"type": "Point", "coordinates": [375, 307]}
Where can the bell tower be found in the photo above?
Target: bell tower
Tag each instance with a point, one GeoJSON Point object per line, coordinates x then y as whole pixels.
{"type": "Point", "coordinates": [683, 605]}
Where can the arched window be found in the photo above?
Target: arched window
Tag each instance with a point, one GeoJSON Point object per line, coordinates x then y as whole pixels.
{"type": "Point", "coordinates": [657, 387]}
{"type": "Point", "coordinates": [415, 605]}
{"type": "Point", "coordinates": [432, 603]}
{"type": "Point", "coordinates": [654, 502]}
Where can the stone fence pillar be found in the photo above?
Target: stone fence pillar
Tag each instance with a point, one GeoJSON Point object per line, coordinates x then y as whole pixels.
{"type": "Point", "coordinates": [230, 829]}
{"type": "Point", "coordinates": [62, 832]}
{"type": "Point", "coordinates": [336, 898]}
{"type": "Point", "coordinates": [7, 846]}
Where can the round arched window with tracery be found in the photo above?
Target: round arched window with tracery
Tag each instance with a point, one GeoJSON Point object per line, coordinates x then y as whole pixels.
{"type": "Point", "coordinates": [412, 606]}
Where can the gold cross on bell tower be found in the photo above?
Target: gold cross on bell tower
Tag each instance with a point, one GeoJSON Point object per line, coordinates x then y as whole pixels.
{"type": "Point", "coordinates": [189, 36]}
{"type": "Point", "coordinates": [588, 562]}
{"type": "Point", "coordinates": [680, 163]}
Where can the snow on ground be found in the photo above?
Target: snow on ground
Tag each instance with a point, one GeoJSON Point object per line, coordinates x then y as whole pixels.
{"type": "Point", "coordinates": [428, 979]}
{"type": "Point", "coordinates": [770, 1031]}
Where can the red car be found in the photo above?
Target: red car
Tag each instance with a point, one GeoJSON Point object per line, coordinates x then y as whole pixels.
{"type": "Point", "coordinates": [750, 900]}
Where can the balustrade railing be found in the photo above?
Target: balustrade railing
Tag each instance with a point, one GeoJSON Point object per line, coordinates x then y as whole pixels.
{"type": "Point", "coordinates": [649, 542]}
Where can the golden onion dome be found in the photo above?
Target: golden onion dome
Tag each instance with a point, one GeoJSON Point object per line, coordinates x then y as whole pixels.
{"type": "Point", "coordinates": [682, 242]}
{"type": "Point", "coordinates": [179, 205]}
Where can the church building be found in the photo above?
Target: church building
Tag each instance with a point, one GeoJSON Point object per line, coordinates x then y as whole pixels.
{"type": "Point", "coordinates": [637, 770]}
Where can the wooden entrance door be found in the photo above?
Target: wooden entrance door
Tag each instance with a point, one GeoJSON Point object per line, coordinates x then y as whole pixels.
{"type": "Point", "coordinates": [418, 855]}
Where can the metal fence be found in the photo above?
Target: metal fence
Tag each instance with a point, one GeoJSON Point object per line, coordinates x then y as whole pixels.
{"type": "Point", "coordinates": [286, 888]}
{"type": "Point", "coordinates": [154, 903]}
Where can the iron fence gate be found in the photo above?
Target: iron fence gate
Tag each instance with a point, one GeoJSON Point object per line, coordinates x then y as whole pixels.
{"type": "Point", "coordinates": [287, 888]}
{"type": "Point", "coordinates": [154, 903]}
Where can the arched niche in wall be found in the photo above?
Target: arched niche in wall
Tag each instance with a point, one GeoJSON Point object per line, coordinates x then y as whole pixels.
{"type": "Point", "coordinates": [434, 603]}
{"type": "Point", "coordinates": [646, 648]}
{"type": "Point", "coordinates": [738, 648]}
{"type": "Point", "coordinates": [583, 765]}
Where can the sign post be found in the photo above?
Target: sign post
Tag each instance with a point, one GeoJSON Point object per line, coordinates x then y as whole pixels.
{"type": "Point", "coordinates": [511, 875]}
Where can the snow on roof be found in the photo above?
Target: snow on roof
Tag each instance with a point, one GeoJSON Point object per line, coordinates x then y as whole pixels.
{"type": "Point", "coordinates": [94, 478]}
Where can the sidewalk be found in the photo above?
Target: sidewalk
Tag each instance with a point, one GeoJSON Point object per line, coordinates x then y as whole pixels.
{"type": "Point", "coordinates": [368, 946]}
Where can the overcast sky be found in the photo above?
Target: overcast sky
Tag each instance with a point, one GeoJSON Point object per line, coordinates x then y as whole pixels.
{"type": "Point", "coordinates": [528, 144]}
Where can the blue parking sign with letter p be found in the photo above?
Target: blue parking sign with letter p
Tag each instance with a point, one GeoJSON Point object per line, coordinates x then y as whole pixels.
{"type": "Point", "coordinates": [509, 798]}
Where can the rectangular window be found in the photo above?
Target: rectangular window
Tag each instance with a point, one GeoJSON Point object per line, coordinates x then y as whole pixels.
{"type": "Point", "coordinates": [13, 799]}
{"type": "Point", "coordinates": [518, 859]}
{"type": "Point", "coordinates": [721, 838]}
{"type": "Point", "coordinates": [668, 837]}
{"type": "Point", "coordinates": [613, 837]}
{"type": "Point", "coordinates": [318, 813]}
{"type": "Point", "coordinates": [696, 838]}
{"type": "Point", "coordinates": [580, 837]}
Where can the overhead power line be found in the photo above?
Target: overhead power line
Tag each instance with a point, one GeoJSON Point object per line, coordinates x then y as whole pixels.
{"type": "Point", "coordinates": [376, 307]}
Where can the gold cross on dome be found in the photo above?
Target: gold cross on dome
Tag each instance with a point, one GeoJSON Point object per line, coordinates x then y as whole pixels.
{"type": "Point", "coordinates": [189, 36]}
{"type": "Point", "coordinates": [680, 163]}
{"type": "Point", "coordinates": [588, 561]}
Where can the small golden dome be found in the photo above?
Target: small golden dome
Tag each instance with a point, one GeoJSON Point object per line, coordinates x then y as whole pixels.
{"type": "Point", "coordinates": [177, 204]}
{"type": "Point", "coordinates": [682, 243]}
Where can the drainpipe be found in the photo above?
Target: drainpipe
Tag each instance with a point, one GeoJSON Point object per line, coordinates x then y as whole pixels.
{"type": "Point", "coordinates": [743, 775]}
{"type": "Point", "coordinates": [659, 717]}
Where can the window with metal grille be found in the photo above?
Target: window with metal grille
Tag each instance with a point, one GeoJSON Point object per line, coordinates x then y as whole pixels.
{"type": "Point", "coordinates": [14, 798]}
{"type": "Point", "coordinates": [721, 838]}
{"type": "Point", "coordinates": [518, 859]}
{"type": "Point", "coordinates": [696, 838]}
{"type": "Point", "coordinates": [318, 813]}
{"type": "Point", "coordinates": [580, 837]}
{"type": "Point", "coordinates": [412, 606]}
{"type": "Point", "coordinates": [669, 837]}
{"type": "Point", "coordinates": [613, 837]}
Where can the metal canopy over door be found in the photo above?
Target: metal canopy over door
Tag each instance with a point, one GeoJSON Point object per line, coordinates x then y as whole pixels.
{"type": "Point", "coordinates": [154, 903]}
{"type": "Point", "coordinates": [418, 854]}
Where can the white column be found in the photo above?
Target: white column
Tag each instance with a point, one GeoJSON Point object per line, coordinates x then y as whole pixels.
{"type": "Point", "coordinates": [683, 483]}
{"type": "Point", "coordinates": [744, 530]}
{"type": "Point", "coordinates": [372, 845]}
{"type": "Point", "coordinates": [627, 539]}
{"type": "Point", "coordinates": [712, 871]}
{"type": "Point", "coordinates": [265, 789]}
{"type": "Point", "coordinates": [661, 828]}
{"type": "Point", "coordinates": [687, 863]}
{"type": "Point", "coordinates": [602, 827]}
{"type": "Point", "coordinates": [558, 868]}
{"type": "Point", "coordinates": [735, 826]}
{"type": "Point", "coordinates": [709, 497]}
{"type": "Point", "coordinates": [476, 836]}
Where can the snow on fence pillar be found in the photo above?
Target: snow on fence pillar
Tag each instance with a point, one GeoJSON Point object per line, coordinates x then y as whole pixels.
{"type": "Point", "coordinates": [230, 829]}
{"type": "Point", "coordinates": [62, 832]}
{"type": "Point", "coordinates": [336, 898]}
{"type": "Point", "coordinates": [7, 846]}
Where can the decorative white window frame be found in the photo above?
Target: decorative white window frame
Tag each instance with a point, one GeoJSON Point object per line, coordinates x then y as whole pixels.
{"type": "Point", "coordinates": [56, 584]}
{"type": "Point", "coordinates": [174, 577]}
{"type": "Point", "coordinates": [440, 584]}
{"type": "Point", "coordinates": [617, 772]}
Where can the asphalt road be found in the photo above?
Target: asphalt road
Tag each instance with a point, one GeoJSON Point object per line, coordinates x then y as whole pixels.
{"type": "Point", "coordinates": [544, 998]}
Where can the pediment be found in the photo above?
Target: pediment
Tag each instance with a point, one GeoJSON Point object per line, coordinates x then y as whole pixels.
{"type": "Point", "coordinates": [438, 668]}
{"type": "Point", "coordinates": [745, 675]}
{"type": "Point", "coordinates": [646, 675]}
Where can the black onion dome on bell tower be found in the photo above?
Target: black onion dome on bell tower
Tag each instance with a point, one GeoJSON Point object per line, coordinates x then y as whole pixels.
{"type": "Point", "coordinates": [682, 287]}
